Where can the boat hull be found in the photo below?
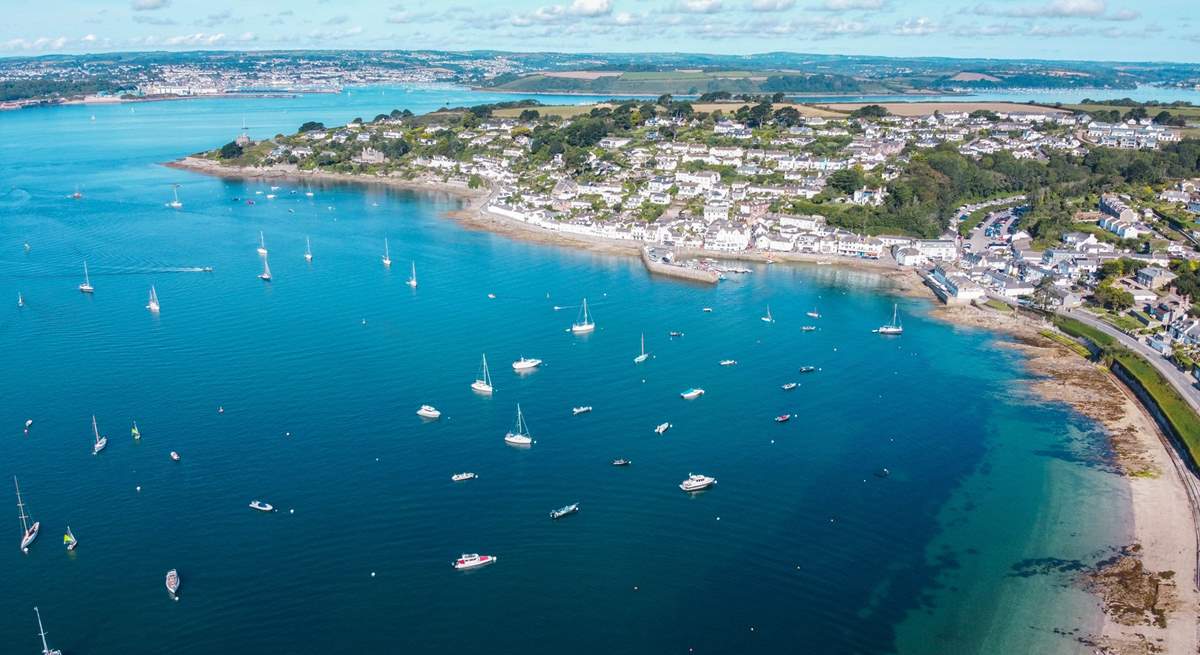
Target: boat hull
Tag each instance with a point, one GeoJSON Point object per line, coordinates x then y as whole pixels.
{"type": "Point", "coordinates": [479, 386]}
{"type": "Point", "coordinates": [30, 536]}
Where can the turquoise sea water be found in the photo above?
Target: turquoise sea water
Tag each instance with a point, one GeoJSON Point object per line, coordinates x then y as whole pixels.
{"type": "Point", "coordinates": [799, 548]}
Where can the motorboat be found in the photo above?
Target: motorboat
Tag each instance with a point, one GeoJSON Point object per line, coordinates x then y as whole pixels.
{"type": "Point", "coordinates": [674, 333]}
{"type": "Point", "coordinates": [576, 411]}
{"type": "Point", "coordinates": [261, 506]}
{"type": "Point", "coordinates": [172, 583]}
{"type": "Point", "coordinates": [565, 510]}
{"type": "Point", "coordinates": [473, 561]}
{"type": "Point", "coordinates": [463, 477]}
{"type": "Point", "coordinates": [813, 314]}
{"type": "Point", "coordinates": [662, 427]}
{"type": "Point", "coordinates": [728, 362]}
{"type": "Point", "coordinates": [174, 456]}
{"type": "Point", "coordinates": [691, 394]}
{"type": "Point", "coordinates": [807, 369]}
{"type": "Point", "coordinates": [707, 310]}
{"type": "Point", "coordinates": [808, 328]}
{"type": "Point", "coordinates": [28, 423]}
{"type": "Point", "coordinates": [696, 482]}
{"type": "Point", "coordinates": [524, 364]}
{"type": "Point", "coordinates": [788, 386]}
{"type": "Point", "coordinates": [429, 411]}
{"type": "Point", "coordinates": [621, 462]}
{"type": "Point", "coordinates": [783, 418]}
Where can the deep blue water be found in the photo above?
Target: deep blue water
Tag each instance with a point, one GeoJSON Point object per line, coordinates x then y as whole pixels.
{"type": "Point", "coordinates": [799, 548]}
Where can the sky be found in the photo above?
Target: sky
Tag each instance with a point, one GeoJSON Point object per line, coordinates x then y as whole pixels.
{"type": "Point", "coordinates": [1127, 30]}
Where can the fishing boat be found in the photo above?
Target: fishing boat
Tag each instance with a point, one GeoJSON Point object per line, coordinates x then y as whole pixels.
{"type": "Point", "coordinates": [728, 362]}
{"type": "Point", "coordinates": [86, 287]}
{"type": "Point", "coordinates": [262, 244]}
{"type": "Point", "coordinates": [473, 561]}
{"type": "Point", "coordinates": [20, 300]}
{"type": "Point", "coordinates": [768, 318]}
{"type": "Point", "coordinates": [808, 328]}
{"type": "Point", "coordinates": [175, 204]}
{"type": "Point", "coordinates": [265, 276]}
{"type": "Point", "coordinates": [662, 427]}
{"type": "Point", "coordinates": [387, 257]}
{"type": "Point", "coordinates": [307, 250]}
{"type": "Point", "coordinates": [172, 583]}
{"type": "Point", "coordinates": [621, 462]}
{"type": "Point", "coordinates": [134, 432]}
{"type": "Point", "coordinates": [645, 355]}
{"type": "Point", "coordinates": [69, 539]}
{"type": "Point", "coordinates": [524, 364]}
{"type": "Point", "coordinates": [783, 418]}
{"type": "Point", "coordinates": [576, 411]}
{"type": "Point", "coordinates": [463, 477]}
{"type": "Point", "coordinates": [519, 435]}
{"type": "Point", "coordinates": [174, 456]}
{"type": "Point", "coordinates": [429, 411]}
{"type": "Point", "coordinates": [696, 482]}
{"type": "Point", "coordinates": [153, 304]}
{"type": "Point", "coordinates": [691, 394]}
{"type": "Point", "coordinates": [814, 313]}
{"type": "Point", "coordinates": [483, 382]}
{"type": "Point", "coordinates": [100, 442]}
{"type": "Point", "coordinates": [584, 323]}
{"type": "Point", "coordinates": [565, 510]}
{"type": "Point", "coordinates": [807, 369]}
{"type": "Point", "coordinates": [261, 506]}
{"type": "Point", "coordinates": [412, 280]}
{"type": "Point", "coordinates": [29, 531]}
{"type": "Point", "coordinates": [788, 386]}
{"type": "Point", "coordinates": [46, 650]}
{"type": "Point", "coordinates": [894, 327]}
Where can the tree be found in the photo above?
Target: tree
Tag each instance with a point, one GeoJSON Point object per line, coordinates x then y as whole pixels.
{"type": "Point", "coordinates": [230, 150]}
{"type": "Point", "coordinates": [312, 126]}
{"type": "Point", "coordinates": [1113, 298]}
{"type": "Point", "coordinates": [474, 182]}
{"type": "Point", "coordinates": [787, 117]}
{"type": "Point", "coordinates": [665, 100]}
{"type": "Point", "coordinates": [870, 111]}
{"type": "Point", "coordinates": [847, 180]}
{"type": "Point", "coordinates": [529, 115]}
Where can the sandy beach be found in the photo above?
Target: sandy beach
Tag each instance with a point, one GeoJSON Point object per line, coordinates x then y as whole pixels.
{"type": "Point", "coordinates": [1146, 594]}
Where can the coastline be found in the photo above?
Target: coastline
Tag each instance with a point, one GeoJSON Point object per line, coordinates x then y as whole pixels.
{"type": "Point", "coordinates": [1160, 559]}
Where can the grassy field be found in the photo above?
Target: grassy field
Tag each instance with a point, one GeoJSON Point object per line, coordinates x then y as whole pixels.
{"type": "Point", "coordinates": [918, 108]}
{"type": "Point", "coordinates": [567, 111]}
{"type": "Point", "coordinates": [1174, 407]}
{"type": "Point", "coordinates": [1192, 113]}
{"type": "Point", "coordinates": [998, 305]}
{"type": "Point", "coordinates": [1075, 346]}
{"type": "Point", "coordinates": [690, 76]}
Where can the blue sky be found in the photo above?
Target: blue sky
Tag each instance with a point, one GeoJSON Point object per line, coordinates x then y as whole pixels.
{"type": "Point", "coordinates": [1053, 29]}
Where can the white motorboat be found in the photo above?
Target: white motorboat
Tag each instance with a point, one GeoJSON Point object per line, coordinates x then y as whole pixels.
{"type": "Point", "coordinates": [172, 583]}
{"type": "Point", "coordinates": [645, 355]}
{"type": "Point", "coordinates": [412, 280]}
{"type": "Point", "coordinates": [584, 323]}
{"type": "Point", "coordinates": [565, 510]}
{"type": "Point", "coordinates": [463, 477]}
{"type": "Point", "coordinates": [662, 427]}
{"type": "Point", "coordinates": [814, 313]}
{"type": "Point", "coordinates": [262, 244]}
{"type": "Point", "coordinates": [387, 256]}
{"type": "Point", "coordinates": [483, 382]}
{"type": "Point", "coordinates": [894, 327]}
{"type": "Point", "coordinates": [621, 462]}
{"type": "Point", "coordinates": [696, 482]}
{"type": "Point", "coordinates": [28, 424]}
{"type": "Point", "coordinates": [788, 386]}
{"type": "Point", "coordinates": [307, 250]}
{"type": "Point", "coordinates": [86, 287]}
{"type": "Point", "coordinates": [46, 650]}
{"type": "Point", "coordinates": [261, 506]}
{"type": "Point", "coordinates": [691, 394]}
{"type": "Point", "coordinates": [728, 362]}
{"type": "Point", "coordinates": [429, 411]}
{"type": "Point", "coordinates": [174, 456]}
{"type": "Point", "coordinates": [519, 435]}
{"type": "Point", "coordinates": [473, 561]}
{"type": "Point", "coordinates": [576, 411]}
{"type": "Point", "coordinates": [100, 442]}
{"type": "Point", "coordinates": [265, 276]}
{"type": "Point", "coordinates": [707, 310]}
{"type": "Point", "coordinates": [29, 531]}
{"type": "Point", "coordinates": [807, 328]}
{"type": "Point", "coordinates": [525, 364]}
{"type": "Point", "coordinates": [153, 304]}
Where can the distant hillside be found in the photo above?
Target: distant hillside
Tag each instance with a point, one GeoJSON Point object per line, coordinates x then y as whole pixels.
{"type": "Point", "coordinates": [685, 82]}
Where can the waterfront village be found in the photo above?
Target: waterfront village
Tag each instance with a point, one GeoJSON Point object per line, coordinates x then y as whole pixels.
{"type": "Point", "coordinates": [723, 185]}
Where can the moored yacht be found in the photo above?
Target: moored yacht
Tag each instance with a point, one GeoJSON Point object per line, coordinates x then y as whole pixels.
{"type": "Point", "coordinates": [691, 394]}
{"type": "Point", "coordinates": [412, 281]}
{"type": "Point", "coordinates": [519, 435]}
{"type": "Point", "coordinates": [307, 250]}
{"type": "Point", "coordinates": [387, 256]}
{"type": "Point", "coordinates": [262, 244]}
{"type": "Point", "coordinates": [788, 386]}
{"type": "Point", "coordinates": [135, 432]}
{"type": "Point", "coordinates": [621, 462]}
{"type": "Point", "coordinates": [265, 276]}
{"type": "Point", "coordinates": [894, 327]}
{"type": "Point", "coordinates": [46, 650]}
{"type": "Point", "coordinates": [524, 364]}
{"type": "Point", "coordinates": [645, 355]}
{"type": "Point", "coordinates": [566, 510]}
{"type": "Point", "coordinates": [584, 323]}
{"type": "Point", "coordinates": [429, 411]}
{"type": "Point", "coordinates": [576, 411]}
{"type": "Point", "coordinates": [473, 561]}
{"type": "Point", "coordinates": [172, 583]}
{"type": "Point", "coordinates": [29, 531]}
{"type": "Point", "coordinates": [100, 442]}
{"type": "Point", "coordinates": [261, 506]}
{"type": "Point", "coordinates": [661, 428]}
{"type": "Point", "coordinates": [462, 477]}
{"type": "Point", "coordinates": [86, 287]}
{"type": "Point", "coordinates": [768, 318]}
{"type": "Point", "coordinates": [728, 362]}
{"type": "Point", "coordinates": [174, 456]}
{"type": "Point", "coordinates": [20, 300]}
{"type": "Point", "coordinates": [153, 305]}
{"type": "Point", "coordinates": [814, 313]}
{"type": "Point", "coordinates": [483, 382]}
{"type": "Point", "coordinates": [175, 204]}
{"type": "Point", "coordinates": [696, 482]}
{"type": "Point", "coordinates": [69, 539]}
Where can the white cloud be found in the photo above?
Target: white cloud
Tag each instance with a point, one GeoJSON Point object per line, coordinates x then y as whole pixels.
{"type": "Point", "coordinates": [699, 6]}
{"type": "Point", "coordinates": [1084, 9]}
{"type": "Point", "coordinates": [149, 5]}
{"type": "Point", "coordinates": [40, 44]}
{"type": "Point", "coordinates": [625, 18]}
{"type": "Point", "coordinates": [89, 38]}
{"type": "Point", "coordinates": [851, 5]}
{"type": "Point", "coordinates": [248, 37]}
{"type": "Point", "coordinates": [770, 5]}
{"type": "Point", "coordinates": [197, 39]}
{"type": "Point", "coordinates": [591, 7]}
{"type": "Point", "coordinates": [915, 27]}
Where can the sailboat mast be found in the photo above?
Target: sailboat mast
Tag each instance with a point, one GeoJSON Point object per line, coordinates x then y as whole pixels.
{"type": "Point", "coordinates": [487, 376]}
{"type": "Point", "coordinates": [42, 631]}
{"type": "Point", "coordinates": [85, 274]}
{"type": "Point", "coordinates": [21, 508]}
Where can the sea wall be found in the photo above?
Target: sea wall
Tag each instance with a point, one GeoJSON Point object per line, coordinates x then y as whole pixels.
{"type": "Point", "coordinates": [674, 270]}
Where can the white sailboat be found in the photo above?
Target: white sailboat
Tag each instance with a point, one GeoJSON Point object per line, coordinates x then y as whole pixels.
{"type": "Point", "coordinates": [265, 276]}
{"type": "Point", "coordinates": [20, 300]}
{"type": "Point", "coordinates": [412, 281]}
{"type": "Point", "coordinates": [894, 327]}
{"type": "Point", "coordinates": [483, 382]}
{"type": "Point", "coordinates": [307, 250]}
{"type": "Point", "coordinates": [645, 355]}
{"type": "Point", "coordinates": [153, 304]}
{"type": "Point", "coordinates": [768, 318]}
{"type": "Point", "coordinates": [46, 650]}
{"type": "Point", "coordinates": [584, 323]}
{"type": "Point", "coordinates": [86, 287]}
{"type": "Point", "coordinates": [519, 435]}
{"type": "Point", "coordinates": [29, 532]}
{"type": "Point", "coordinates": [387, 257]}
{"type": "Point", "coordinates": [175, 204]}
{"type": "Point", "coordinates": [101, 442]}
{"type": "Point", "coordinates": [262, 244]}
